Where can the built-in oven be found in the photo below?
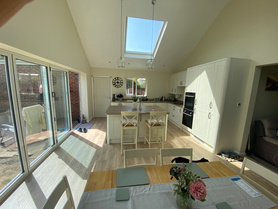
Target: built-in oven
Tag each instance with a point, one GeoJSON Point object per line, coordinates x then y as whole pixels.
{"type": "Point", "coordinates": [188, 109]}
{"type": "Point", "coordinates": [189, 100]}
{"type": "Point", "coordinates": [187, 118]}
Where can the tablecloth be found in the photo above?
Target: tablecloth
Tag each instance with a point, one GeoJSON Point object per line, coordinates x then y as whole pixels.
{"type": "Point", "coordinates": [159, 196]}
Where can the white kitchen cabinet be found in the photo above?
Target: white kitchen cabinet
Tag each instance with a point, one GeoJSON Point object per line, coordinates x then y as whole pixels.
{"type": "Point", "coordinates": [206, 86]}
{"type": "Point", "coordinates": [181, 78]}
{"type": "Point", "coordinates": [200, 123]}
{"type": "Point", "coordinates": [220, 88]}
{"type": "Point", "coordinates": [192, 81]}
{"type": "Point", "coordinates": [175, 114]}
{"type": "Point", "coordinates": [177, 82]}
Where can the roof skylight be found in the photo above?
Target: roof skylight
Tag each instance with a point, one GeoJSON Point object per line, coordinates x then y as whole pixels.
{"type": "Point", "coordinates": [143, 37]}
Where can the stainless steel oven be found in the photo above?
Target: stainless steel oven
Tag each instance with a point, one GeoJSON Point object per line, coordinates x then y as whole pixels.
{"type": "Point", "coordinates": [188, 109]}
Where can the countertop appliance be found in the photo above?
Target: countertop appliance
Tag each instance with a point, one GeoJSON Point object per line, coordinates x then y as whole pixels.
{"type": "Point", "coordinates": [188, 109]}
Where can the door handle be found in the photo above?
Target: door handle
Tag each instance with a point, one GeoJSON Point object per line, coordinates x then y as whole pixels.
{"type": "Point", "coordinates": [209, 115]}
{"type": "Point", "coordinates": [187, 114]}
{"type": "Point", "coordinates": [210, 105]}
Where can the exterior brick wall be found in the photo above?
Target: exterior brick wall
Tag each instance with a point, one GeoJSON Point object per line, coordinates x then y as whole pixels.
{"type": "Point", "coordinates": [74, 95]}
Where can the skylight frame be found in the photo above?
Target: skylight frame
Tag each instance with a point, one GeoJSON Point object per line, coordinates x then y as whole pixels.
{"type": "Point", "coordinates": [141, 55]}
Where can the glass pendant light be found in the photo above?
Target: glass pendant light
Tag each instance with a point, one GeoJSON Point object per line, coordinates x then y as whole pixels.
{"type": "Point", "coordinates": [121, 61]}
{"type": "Point", "coordinates": [150, 64]}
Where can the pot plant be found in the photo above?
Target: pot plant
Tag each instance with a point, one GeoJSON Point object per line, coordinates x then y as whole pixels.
{"type": "Point", "coordinates": [120, 96]}
{"type": "Point", "coordinates": [134, 99]}
{"type": "Point", "coordinates": [188, 188]}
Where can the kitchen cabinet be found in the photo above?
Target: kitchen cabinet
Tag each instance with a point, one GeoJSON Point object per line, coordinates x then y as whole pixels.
{"type": "Point", "coordinates": [177, 82]}
{"type": "Point", "coordinates": [220, 88]}
{"type": "Point", "coordinates": [192, 81]}
{"type": "Point", "coordinates": [175, 114]}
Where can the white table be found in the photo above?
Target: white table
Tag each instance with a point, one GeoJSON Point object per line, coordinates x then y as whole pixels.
{"type": "Point", "coordinates": [159, 196]}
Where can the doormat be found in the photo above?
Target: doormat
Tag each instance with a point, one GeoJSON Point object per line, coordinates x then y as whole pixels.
{"type": "Point", "coordinates": [83, 125]}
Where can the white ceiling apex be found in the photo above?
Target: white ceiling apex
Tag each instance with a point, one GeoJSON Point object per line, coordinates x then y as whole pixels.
{"type": "Point", "coordinates": [98, 25]}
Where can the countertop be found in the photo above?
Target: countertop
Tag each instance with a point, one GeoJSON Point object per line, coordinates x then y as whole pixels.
{"type": "Point", "coordinates": [116, 110]}
{"type": "Point", "coordinates": [177, 103]}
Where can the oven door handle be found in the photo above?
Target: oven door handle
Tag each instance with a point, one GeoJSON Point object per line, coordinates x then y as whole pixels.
{"type": "Point", "coordinates": [187, 114]}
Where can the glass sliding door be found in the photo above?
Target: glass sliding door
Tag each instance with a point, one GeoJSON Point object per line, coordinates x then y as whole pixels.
{"type": "Point", "coordinates": [34, 94]}
{"type": "Point", "coordinates": [10, 156]}
{"type": "Point", "coordinates": [61, 102]}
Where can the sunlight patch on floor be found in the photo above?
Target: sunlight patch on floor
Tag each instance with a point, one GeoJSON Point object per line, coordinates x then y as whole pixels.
{"type": "Point", "coordinates": [83, 154]}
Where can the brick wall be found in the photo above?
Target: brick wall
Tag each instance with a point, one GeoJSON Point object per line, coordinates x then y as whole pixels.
{"type": "Point", "coordinates": [4, 99]}
{"type": "Point", "coordinates": [74, 95]}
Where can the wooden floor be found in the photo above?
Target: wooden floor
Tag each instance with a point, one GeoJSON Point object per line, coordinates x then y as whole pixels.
{"type": "Point", "coordinates": [82, 153]}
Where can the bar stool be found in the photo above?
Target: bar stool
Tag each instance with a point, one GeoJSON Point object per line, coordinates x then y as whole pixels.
{"type": "Point", "coordinates": [156, 128]}
{"type": "Point", "coordinates": [129, 121]}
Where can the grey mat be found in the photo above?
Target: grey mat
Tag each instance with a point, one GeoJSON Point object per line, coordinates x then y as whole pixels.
{"type": "Point", "coordinates": [122, 194]}
{"type": "Point", "coordinates": [83, 125]}
{"type": "Point", "coordinates": [194, 168]}
{"type": "Point", "coordinates": [131, 177]}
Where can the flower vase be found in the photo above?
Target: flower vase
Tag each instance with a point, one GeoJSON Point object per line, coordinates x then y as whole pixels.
{"type": "Point", "coordinates": [180, 200]}
{"type": "Point", "coordinates": [134, 105]}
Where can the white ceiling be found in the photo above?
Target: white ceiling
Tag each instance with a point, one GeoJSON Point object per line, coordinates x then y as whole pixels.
{"type": "Point", "coordinates": [98, 23]}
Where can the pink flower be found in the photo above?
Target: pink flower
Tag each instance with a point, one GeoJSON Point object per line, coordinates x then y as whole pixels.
{"type": "Point", "coordinates": [198, 190]}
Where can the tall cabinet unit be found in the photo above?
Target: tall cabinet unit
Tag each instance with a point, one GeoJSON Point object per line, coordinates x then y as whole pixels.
{"type": "Point", "coordinates": [220, 90]}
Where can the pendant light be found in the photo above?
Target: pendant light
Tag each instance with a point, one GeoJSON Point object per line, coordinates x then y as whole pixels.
{"type": "Point", "coordinates": [150, 63]}
{"type": "Point", "coordinates": [121, 61]}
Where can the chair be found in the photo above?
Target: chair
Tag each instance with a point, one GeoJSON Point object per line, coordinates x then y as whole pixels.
{"type": "Point", "coordinates": [140, 153]}
{"type": "Point", "coordinates": [129, 121]}
{"type": "Point", "coordinates": [57, 193]}
{"type": "Point", "coordinates": [176, 152]}
{"type": "Point", "coordinates": [262, 171]}
{"type": "Point", "coordinates": [157, 122]}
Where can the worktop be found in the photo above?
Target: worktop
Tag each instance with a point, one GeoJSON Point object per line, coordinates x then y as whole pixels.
{"type": "Point", "coordinates": [116, 110]}
{"type": "Point", "coordinates": [150, 101]}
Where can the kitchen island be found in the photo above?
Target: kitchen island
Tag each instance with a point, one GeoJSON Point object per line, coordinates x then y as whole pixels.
{"type": "Point", "coordinates": [113, 113]}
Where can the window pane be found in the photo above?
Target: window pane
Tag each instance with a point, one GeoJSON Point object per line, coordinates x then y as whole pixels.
{"type": "Point", "coordinates": [129, 86]}
{"type": "Point", "coordinates": [142, 35]}
{"type": "Point", "coordinates": [141, 87]}
{"type": "Point", "coordinates": [10, 164]}
{"type": "Point", "coordinates": [60, 86]}
{"type": "Point", "coordinates": [36, 112]}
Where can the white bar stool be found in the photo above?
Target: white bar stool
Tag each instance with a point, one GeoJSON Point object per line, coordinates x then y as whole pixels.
{"type": "Point", "coordinates": [129, 121]}
{"type": "Point", "coordinates": [156, 128]}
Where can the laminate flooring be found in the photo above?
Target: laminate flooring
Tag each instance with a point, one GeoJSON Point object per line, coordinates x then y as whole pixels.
{"type": "Point", "coordinates": [83, 153]}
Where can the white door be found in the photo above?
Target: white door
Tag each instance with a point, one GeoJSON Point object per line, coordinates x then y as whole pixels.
{"type": "Point", "coordinates": [102, 95]}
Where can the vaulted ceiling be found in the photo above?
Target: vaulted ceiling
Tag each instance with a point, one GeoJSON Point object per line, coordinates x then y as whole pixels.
{"type": "Point", "coordinates": [98, 23]}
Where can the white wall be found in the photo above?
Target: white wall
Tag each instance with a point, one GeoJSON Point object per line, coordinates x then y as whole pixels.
{"type": "Point", "coordinates": [245, 29]}
{"type": "Point", "coordinates": [45, 28]}
{"type": "Point", "coordinates": [158, 82]}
